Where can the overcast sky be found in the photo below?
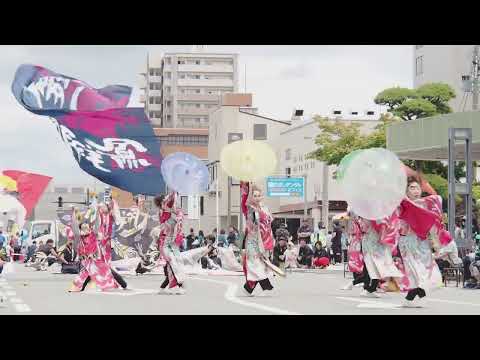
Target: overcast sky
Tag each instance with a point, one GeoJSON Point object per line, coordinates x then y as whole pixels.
{"type": "Point", "coordinates": [314, 78]}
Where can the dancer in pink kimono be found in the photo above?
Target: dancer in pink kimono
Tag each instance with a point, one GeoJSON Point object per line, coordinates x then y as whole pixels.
{"type": "Point", "coordinates": [421, 230]}
{"type": "Point", "coordinates": [93, 265]}
{"type": "Point", "coordinates": [372, 244]}
{"type": "Point", "coordinates": [258, 239]}
{"type": "Point", "coordinates": [170, 239]}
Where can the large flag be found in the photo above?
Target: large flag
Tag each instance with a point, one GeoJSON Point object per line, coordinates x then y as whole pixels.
{"type": "Point", "coordinates": [19, 194]}
{"type": "Point", "coordinates": [113, 143]}
{"type": "Point", "coordinates": [116, 146]}
{"type": "Point", "coordinates": [45, 92]}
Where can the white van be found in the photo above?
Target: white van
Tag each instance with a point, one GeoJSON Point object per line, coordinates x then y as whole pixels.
{"type": "Point", "coordinates": [43, 230]}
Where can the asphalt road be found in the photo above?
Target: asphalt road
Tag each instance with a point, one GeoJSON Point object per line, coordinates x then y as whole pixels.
{"type": "Point", "coordinates": [30, 292]}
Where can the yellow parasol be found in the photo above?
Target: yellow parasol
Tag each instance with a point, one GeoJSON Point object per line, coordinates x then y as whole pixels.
{"type": "Point", "coordinates": [8, 183]}
{"type": "Point", "coordinates": [248, 160]}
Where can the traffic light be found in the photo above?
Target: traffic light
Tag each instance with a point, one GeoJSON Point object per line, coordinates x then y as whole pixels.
{"type": "Point", "coordinates": [60, 202]}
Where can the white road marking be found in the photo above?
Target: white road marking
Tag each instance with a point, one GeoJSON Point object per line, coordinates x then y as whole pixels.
{"type": "Point", "coordinates": [22, 308]}
{"type": "Point", "coordinates": [364, 303]}
{"type": "Point", "coordinates": [15, 300]}
{"type": "Point", "coordinates": [230, 296]}
{"type": "Point", "coordinates": [452, 302]}
{"type": "Point", "coordinates": [122, 292]}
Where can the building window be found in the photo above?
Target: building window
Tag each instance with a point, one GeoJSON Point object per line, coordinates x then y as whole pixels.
{"type": "Point", "coordinates": [181, 62]}
{"type": "Point", "coordinates": [197, 91]}
{"type": "Point", "coordinates": [300, 158]}
{"type": "Point", "coordinates": [288, 171]}
{"type": "Point", "coordinates": [168, 75]}
{"type": "Point", "coordinates": [158, 72]}
{"type": "Point", "coordinates": [168, 89]}
{"type": "Point", "coordinates": [197, 106]}
{"type": "Point", "coordinates": [151, 100]}
{"type": "Point", "coordinates": [181, 76]}
{"type": "Point", "coordinates": [168, 60]}
{"type": "Point", "coordinates": [197, 62]}
{"type": "Point", "coordinates": [169, 103]}
{"type": "Point", "coordinates": [151, 114]}
{"type": "Point", "coordinates": [419, 66]}
{"type": "Point", "coordinates": [312, 165]}
{"type": "Point", "coordinates": [158, 100]}
{"type": "Point", "coordinates": [260, 132]}
{"type": "Point", "coordinates": [184, 203]}
{"type": "Point", "coordinates": [152, 72]}
{"type": "Point", "coordinates": [288, 154]}
{"type": "Point", "coordinates": [306, 166]}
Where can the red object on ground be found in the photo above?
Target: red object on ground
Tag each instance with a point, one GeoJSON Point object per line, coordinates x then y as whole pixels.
{"type": "Point", "coordinates": [30, 187]}
{"type": "Point", "coordinates": [321, 262]}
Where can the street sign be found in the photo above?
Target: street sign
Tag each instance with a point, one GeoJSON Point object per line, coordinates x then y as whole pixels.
{"type": "Point", "coordinates": [285, 186]}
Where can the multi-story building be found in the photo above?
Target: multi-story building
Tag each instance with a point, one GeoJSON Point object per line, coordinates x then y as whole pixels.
{"type": "Point", "coordinates": [293, 147]}
{"type": "Point", "coordinates": [444, 63]}
{"type": "Point", "coordinates": [180, 89]}
{"type": "Point", "coordinates": [230, 123]}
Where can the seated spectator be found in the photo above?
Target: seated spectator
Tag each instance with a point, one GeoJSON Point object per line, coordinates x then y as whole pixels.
{"type": "Point", "coordinates": [304, 231]}
{"type": "Point", "coordinates": [190, 239]}
{"type": "Point", "coordinates": [50, 251]}
{"type": "Point", "coordinates": [291, 256]}
{"type": "Point", "coordinates": [199, 240]}
{"type": "Point", "coordinates": [305, 255]}
{"type": "Point", "coordinates": [68, 259]}
{"type": "Point", "coordinates": [211, 260]}
{"type": "Point", "coordinates": [320, 256]}
{"type": "Point", "coordinates": [222, 239]}
{"type": "Point", "coordinates": [279, 252]}
{"type": "Point", "coordinates": [282, 232]}
{"type": "Point", "coordinates": [31, 250]}
{"type": "Point", "coordinates": [232, 235]}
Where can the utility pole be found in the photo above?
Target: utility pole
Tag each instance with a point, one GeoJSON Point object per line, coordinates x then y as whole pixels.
{"type": "Point", "coordinates": [325, 196]}
{"type": "Point", "coordinates": [475, 75]}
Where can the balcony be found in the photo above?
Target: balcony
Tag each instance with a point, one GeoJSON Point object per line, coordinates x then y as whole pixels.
{"type": "Point", "coordinates": [192, 111]}
{"type": "Point", "coordinates": [198, 97]}
{"type": "Point", "coordinates": [206, 82]}
{"type": "Point", "coordinates": [206, 68]}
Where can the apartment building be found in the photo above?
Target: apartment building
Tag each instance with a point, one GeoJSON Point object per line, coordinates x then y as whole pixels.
{"type": "Point", "coordinates": [179, 90]}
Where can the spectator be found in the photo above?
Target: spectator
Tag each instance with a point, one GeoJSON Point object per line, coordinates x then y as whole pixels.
{"type": "Point", "coordinates": [31, 250]}
{"type": "Point", "coordinates": [50, 251]}
{"type": "Point", "coordinates": [291, 256]}
{"type": "Point", "coordinates": [211, 260]}
{"type": "Point", "coordinates": [282, 232]}
{"type": "Point", "coordinates": [232, 236]}
{"type": "Point", "coordinates": [17, 246]}
{"type": "Point", "coordinates": [68, 259]}
{"type": "Point", "coordinates": [320, 256]}
{"type": "Point", "coordinates": [222, 239]}
{"type": "Point", "coordinates": [9, 250]}
{"type": "Point", "coordinates": [337, 244]}
{"type": "Point", "coordinates": [190, 239]}
{"type": "Point", "coordinates": [199, 240]}
{"type": "Point", "coordinates": [304, 231]}
{"type": "Point", "coordinates": [305, 254]}
{"type": "Point", "coordinates": [460, 239]}
{"type": "Point", "coordinates": [2, 239]}
{"type": "Point", "coordinates": [279, 252]}
{"type": "Point", "coordinates": [345, 244]}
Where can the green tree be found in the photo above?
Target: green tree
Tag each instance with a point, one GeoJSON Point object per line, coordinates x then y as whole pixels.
{"type": "Point", "coordinates": [394, 97]}
{"type": "Point", "coordinates": [412, 109]}
{"type": "Point", "coordinates": [336, 139]}
{"type": "Point", "coordinates": [439, 94]}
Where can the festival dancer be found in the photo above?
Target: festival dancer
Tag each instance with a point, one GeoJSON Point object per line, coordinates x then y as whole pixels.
{"type": "Point", "coordinates": [421, 230]}
{"type": "Point", "coordinates": [170, 239]}
{"type": "Point", "coordinates": [373, 243]}
{"type": "Point", "coordinates": [93, 266]}
{"type": "Point", "coordinates": [107, 213]}
{"type": "Point", "coordinates": [258, 239]}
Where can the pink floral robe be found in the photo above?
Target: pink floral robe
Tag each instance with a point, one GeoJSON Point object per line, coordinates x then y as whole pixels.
{"type": "Point", "coordinates": [170, 239]}
{"type": "Point", "coordinates": [421, 230]}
